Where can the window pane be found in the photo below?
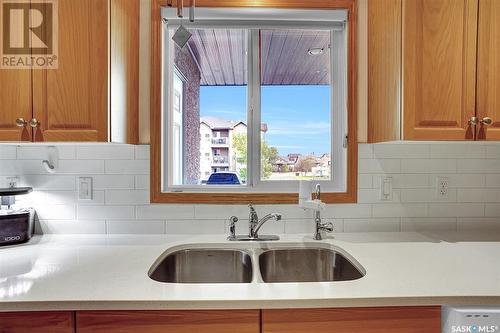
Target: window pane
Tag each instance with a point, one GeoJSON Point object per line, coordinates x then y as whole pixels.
{"type": "Point", "coordinates": [209, 139]}
{"type": "Point", "coordinates": [295, 104]}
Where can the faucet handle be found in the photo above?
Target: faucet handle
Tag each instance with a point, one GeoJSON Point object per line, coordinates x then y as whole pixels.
{"type": "Point", "coordinates": [251, 207]}
{"type": "Point", "coordinates": [232, 227]}
{"type": "Point", "coordinates": [328, 227]}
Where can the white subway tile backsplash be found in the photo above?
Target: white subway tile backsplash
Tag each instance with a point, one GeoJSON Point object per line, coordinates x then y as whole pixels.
{"type": "Point", "coordinates": [207, 212]}
{"type": "Point", "coordinates": [151, 227]}
{"type": "Point", "coordinates": [20, 167]}
{"type": "Point", "coordinates": [492, 151]}
{"type": "Point", "coordinates": [400, 210]}
{"type": "Point", "coordinates": [142, 152]}
{"type": "Point", "coordinates": [303, 226]}
{"type": "Point", "coordinates": [97, 199]}
{"type": "Point", "coordinates": [365, 150]}
{"type": "Point", "coordinates": [127, 197]}
{"type": "Point", "coordinates": [428, 166]}
{"type": "Point", "coordinates": [400, 181]}
{"type": "Point", "coordinates": [121, 191]}
{"type": "Point", "coordinates": [427, 195]}
{"type": "Point", "coordinates": [458, 150]}
{"type": "Point", "coordinates": [56, 197]}
{"type": "Point", "coordinates": [112, 182]}
{"type": "Point", "coordinates": [36, 152]}
{"type": "Point", "coordinates": [372, 225]}
{"type": "Point", "coordinates": [198, 227]}
{"type": "Point", "coordinates": [348, 210]}
{"type": "Point", "coordinates": [88, 212]}
{"type": "Point", "coordinates": [373, 196]}
{"type": "Point", "coordinates": [490, 210]}
{"type": "Point", "coordinates": [398, 150]}
{"type": "Point", "coordinates": [71, 227]}
{"type": "Point", "coordinates": [365, 181]}
{"type": "Point", "coordinates": [107, 152]}
{"type": "Point", "coordinates": [288, 211]}
{"type": "Point", "coordinates": [80, 166]}
{"type": "Point", "coordinates": [379, 166]}
{"type": "Point", "coordinates": [166, 212]}
{"type": "Point", "coordinates": [7, 152]}
{"type": "Point", "coordinates": [478, 195]}
{"type": "Point", "coordinates": [478, 166]}
{"type": "Point", "coordinates": [492, 181]}
{"type": "Point", "coordinates": [55, 212]}
{"type": "Point", "coordinates": [307, 226]}
{"type": "Point", "coordinates": [456, 209]}
{"type": "Point", "coordinates": [428, 224]}
{"type": "Point", "coordinates": [53, 182]}
{"type": "Point", "coordinates": [138, 167]}
{"type": "Point", "coordinates": [142, 182]}
{"type": "Point", "coordinates": [463, 180]}
{"type": "Point", "coordinates": [485, 224]}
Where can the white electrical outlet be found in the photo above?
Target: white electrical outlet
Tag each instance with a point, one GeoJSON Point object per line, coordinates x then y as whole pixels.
{"type": "Point", "coordinates": [385, 188]}
{"type": "Point", "coordinates": [12, 181]}
{"type": "Point", "coordinates": [443, 184]}
{"type": "Point", "coordinates": [85, 188]}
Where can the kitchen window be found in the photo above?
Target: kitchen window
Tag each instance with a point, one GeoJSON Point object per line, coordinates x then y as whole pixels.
{"type": "Point", "coordinates": [264, 98]}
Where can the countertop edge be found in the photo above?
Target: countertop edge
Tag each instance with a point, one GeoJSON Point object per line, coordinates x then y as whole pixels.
{"type": "Point", "coordinates": [254, 304]}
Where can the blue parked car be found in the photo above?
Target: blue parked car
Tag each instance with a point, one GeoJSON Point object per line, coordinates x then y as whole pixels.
{"type": "Point", "coordinates": [224, 178]}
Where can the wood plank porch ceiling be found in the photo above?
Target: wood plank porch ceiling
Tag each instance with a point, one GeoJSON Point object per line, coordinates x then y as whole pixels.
{"type": "Point", "coordinates": [221, 56]}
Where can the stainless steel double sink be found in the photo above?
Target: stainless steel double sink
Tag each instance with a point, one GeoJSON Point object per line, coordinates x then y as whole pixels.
{"type": "Point", "coordinates": [279, 263]}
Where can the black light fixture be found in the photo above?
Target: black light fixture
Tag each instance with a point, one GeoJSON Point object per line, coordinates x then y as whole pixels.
{"type": "Point", "coordinates": [182, 35]}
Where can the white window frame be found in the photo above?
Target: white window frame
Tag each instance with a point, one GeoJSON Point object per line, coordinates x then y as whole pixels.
{"type": "Point", "coordinates": [255, 19]}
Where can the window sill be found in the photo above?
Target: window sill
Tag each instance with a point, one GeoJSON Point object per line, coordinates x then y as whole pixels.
{"type": "Point", "coordinates": [245, 198]}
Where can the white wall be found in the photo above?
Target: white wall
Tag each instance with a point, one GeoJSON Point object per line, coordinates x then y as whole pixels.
{"type": "Point", "coordinates": [121, 202]}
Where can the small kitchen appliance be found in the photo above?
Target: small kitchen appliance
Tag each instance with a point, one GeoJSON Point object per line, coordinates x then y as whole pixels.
{"type": "Point", "coordinates": [16, 224]}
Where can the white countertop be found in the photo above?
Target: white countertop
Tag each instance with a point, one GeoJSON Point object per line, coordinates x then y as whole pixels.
{"type": "Point", "coordinates": [110, 272]}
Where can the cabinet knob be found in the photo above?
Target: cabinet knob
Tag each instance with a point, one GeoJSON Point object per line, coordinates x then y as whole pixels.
{"type": "Point", "coordinates": [473, 120]}
{"type": "Point", "coordinates": [487, 121]}
{"type": "Point", "coordinates": [21, 122]}
{"type": "Point", "coordinates": [34, 123]}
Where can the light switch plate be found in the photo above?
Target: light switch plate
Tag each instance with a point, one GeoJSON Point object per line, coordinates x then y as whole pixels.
{"type": "Point", "coordinates": [385, 188]}
{"type": "Point", "coordinates": [85, 188]}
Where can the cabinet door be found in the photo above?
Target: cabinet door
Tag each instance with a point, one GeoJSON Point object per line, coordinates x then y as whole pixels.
{"type": "Point", "coordinates": [230, 321]}
{"type": "Point", "coordinates": [15, 102]}
{"type": "Point", "coordinates": [36, 322]}
{"type": "Point", "coordinates": [439, 71]}
{"type": "Point", "coordinates": [71, 102]}
{"type": "Point", "coordinates": [353, 320]}
{"type": "Point", "coordinates": [488, 68]}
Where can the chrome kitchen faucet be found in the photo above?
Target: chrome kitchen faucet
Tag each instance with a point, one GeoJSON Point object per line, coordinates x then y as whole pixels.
{"type": "Point", "coordinates": [320, 226]}
{"type": "Point", "coordinates": [254, 225]}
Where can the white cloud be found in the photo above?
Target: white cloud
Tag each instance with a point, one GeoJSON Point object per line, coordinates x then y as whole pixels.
{"type": "Point", "coordinates": [294, 128]}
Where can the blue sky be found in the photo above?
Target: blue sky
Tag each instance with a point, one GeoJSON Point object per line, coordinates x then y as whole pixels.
{"type": "Point", "coordinates": [298, 117]}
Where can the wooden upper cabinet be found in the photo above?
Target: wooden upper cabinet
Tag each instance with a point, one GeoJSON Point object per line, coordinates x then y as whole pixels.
{"type": "Point", "coordinates": [384, 70]}
{"type": "Point", "coordinates": [488, 69]}
{"type": "Point", "coordinates": [353, 320]}
{"type": "Point", "coordinates": [15, 102]}
{"type": "Point", "coordinates": [210, 321]}
{"type": "Point", "coordinates": [71, 102]}
{"type": "Point", "coordinates": [36, 322]}
{"type": "Point", "coordinates": [439, 68]}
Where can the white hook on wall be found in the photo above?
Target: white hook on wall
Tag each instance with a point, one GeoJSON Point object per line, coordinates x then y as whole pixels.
{"type": "Point", "coordinates": [52, 162]}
